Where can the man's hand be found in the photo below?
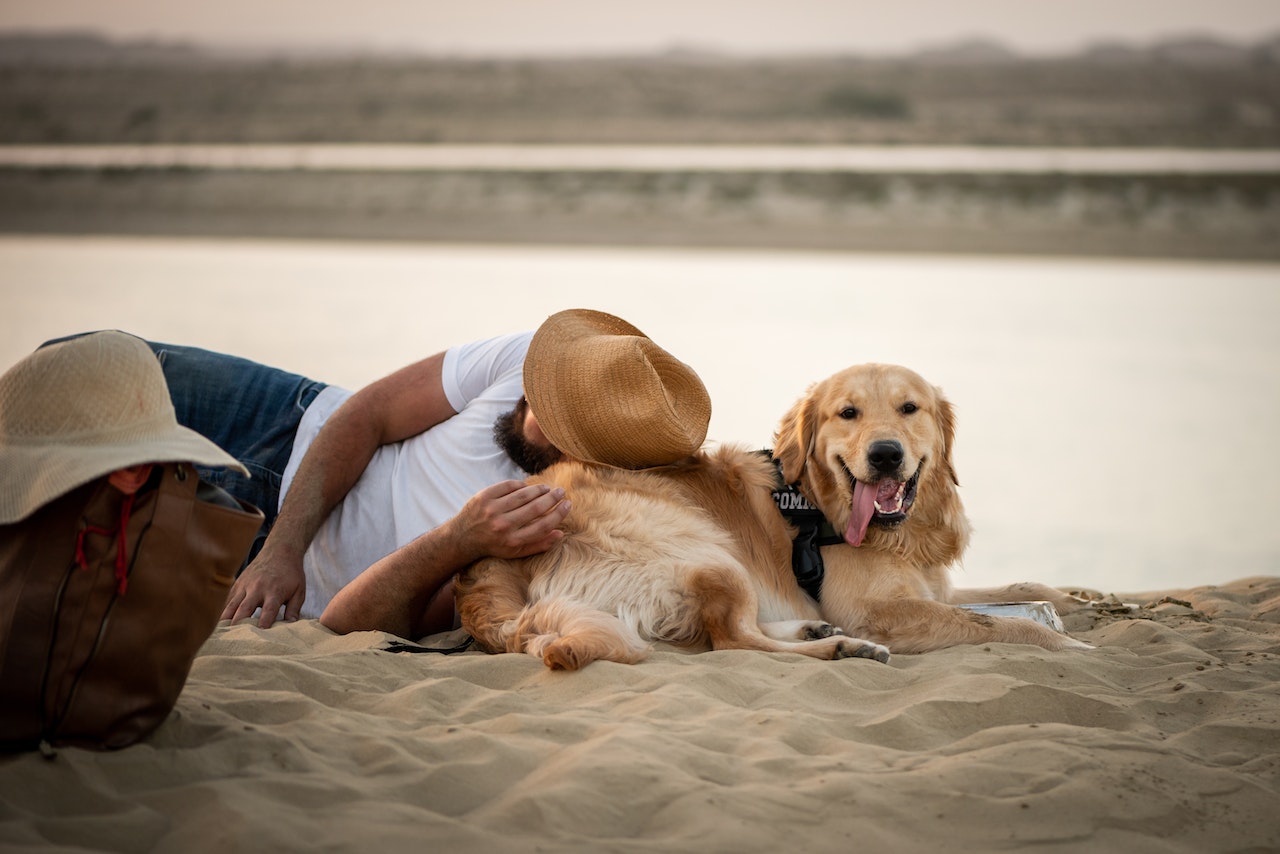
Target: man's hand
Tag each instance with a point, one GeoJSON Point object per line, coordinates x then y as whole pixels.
{"type": "Point", "coordinates": [273, 580]}
{"type": "Point", "coordinates": [510, 519]}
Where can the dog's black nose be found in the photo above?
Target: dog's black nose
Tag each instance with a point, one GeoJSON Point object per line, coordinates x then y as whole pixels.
{"type": "Point", "coordinates": [885, 457]}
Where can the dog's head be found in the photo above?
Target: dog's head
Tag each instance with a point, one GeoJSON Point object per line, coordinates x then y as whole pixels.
{"type": "Point", "coordinates": [871, 445]}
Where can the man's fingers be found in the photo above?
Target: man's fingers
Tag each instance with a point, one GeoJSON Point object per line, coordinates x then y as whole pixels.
{"type": "Point", "coordinates": [293, 609]}
{"type": "Point", "coordinates": [233, 602]}
{"type": "Point", "coordinates": [515, 519]}
{"type": "Point", "coordinates": [539, 533]}
{"type": "Point", "coordinates": [246, 608]}
{"type": "Point", "coordinates": [540, 516]}
{"type": "Point", "coordinates": [534, 505]}
{"type": "Point", "coordinates": [244, 599]}
{"type": "Point", "coordinates": [270, 610]}
{"type": "Point", "coordinates": [512, 493]}
{"type": "Point", "coordinates": [503, 510]}
{"type": "Point", "coordinates": [271, 585]}
{"type": "Point", "coordinates": [508, 500]}
{"type": "Point", "coordinates": [558, 511]}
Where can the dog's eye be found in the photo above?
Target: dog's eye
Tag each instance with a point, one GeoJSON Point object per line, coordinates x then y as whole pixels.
{"type": "Point", "coordinates": [849, 413]}
{"type": "Point", "coordinates": [908, 408]}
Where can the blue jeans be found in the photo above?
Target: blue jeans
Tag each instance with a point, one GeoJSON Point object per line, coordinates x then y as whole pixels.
{"type": "Point", "coordinates": [249, 410]}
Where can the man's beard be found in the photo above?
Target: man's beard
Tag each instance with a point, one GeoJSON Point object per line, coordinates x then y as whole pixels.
{"type": "Point", "coordinates": [507, 433]}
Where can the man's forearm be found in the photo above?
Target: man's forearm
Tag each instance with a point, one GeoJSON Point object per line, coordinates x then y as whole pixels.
{"type": "Point", "coordinates": [399, 406]}
{"type": "Point", "coordinates": [396, 593]}
{"type": "Point", "coordinates": [509, 519]}
{"type": "Point", "coordinates": [332, 465]}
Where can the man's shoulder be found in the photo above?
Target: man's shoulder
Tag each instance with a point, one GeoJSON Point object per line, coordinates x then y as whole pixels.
{"type": "Point", "coordinates": [470, 369]}
{"type": "Point", "coordinates": [503, 349]}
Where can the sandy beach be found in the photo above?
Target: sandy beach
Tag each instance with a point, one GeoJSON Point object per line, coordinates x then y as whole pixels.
{"type": "Point", "coordinates": [1165, 738]}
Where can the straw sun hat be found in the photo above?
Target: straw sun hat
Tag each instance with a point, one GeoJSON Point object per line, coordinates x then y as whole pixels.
{"type": "Point", "coordinates": [80, 409]}
{"type": "Point", "coordinates": [603, 392]}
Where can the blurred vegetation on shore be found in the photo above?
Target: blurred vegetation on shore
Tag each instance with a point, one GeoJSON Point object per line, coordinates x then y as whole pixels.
{"type": "Point", "coordinates": [1192, 93]}
{"type": "Point", "coordinates": [73, 88]}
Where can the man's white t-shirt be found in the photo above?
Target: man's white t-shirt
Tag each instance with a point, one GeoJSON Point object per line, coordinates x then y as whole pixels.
{"type": "Point", "coordinates": [413, 486]}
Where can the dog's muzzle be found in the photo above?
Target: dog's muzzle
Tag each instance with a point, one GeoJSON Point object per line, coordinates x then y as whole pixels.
{"type": "Point", "coordinates": [885, 502]}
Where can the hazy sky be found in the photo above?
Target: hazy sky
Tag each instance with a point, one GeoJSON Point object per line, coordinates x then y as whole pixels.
{"type": "Point", "coordinates": [549, 26]}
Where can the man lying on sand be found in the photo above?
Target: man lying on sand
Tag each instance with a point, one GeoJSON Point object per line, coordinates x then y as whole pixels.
{"type": "Point", "coordinates": [385, 494]}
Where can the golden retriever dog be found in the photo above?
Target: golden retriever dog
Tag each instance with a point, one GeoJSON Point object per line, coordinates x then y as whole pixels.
{"type": "Point", "coordinates": [698, 554]}
{"type": "Point", "coordinates": [871, 448]}
{"type": "Point", "coordinates": [693, 554]}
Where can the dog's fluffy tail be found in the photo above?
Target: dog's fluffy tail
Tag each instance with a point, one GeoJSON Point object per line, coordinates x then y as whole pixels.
{"type": "Point", "coordinates": [569, 635]}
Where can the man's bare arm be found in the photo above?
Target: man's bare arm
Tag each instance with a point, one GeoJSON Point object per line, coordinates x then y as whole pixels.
{"type": "Point", "coordinates": [391, 409]}
{"type": "Point", "coordinates": [406, 593]}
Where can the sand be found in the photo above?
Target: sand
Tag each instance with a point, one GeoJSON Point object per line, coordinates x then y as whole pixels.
{"type": "Point", "coordinates": [1164, 738]}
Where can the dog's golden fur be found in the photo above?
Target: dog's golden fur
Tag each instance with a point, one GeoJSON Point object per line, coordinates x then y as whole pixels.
{"type": "Point", "coordinates": [698, 554]}
{"type": "Point", "coordinates": [674, 554]}
{"type": "Point", "coordinates": [895, 587]}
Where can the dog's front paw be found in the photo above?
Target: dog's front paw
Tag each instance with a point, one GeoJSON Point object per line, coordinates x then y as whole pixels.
{"type": "Point", "coordinates": [856, 648]}
{"type": "Point", "coordinates": [817, 630]}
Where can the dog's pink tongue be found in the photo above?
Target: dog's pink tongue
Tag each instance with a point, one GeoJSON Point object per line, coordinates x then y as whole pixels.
{"type": "Point", "coordinates": [864, 507]}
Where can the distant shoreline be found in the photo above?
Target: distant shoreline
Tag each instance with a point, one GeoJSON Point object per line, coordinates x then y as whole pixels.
{"type": "Point", "coordinates": [1187, 96]}
{"type": "Point", "coordinates": [1221, 216]}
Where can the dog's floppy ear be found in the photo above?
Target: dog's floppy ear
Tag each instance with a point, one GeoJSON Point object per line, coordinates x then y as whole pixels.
{"type": "Point", "coordinates": [947, 425]}
{"type": "Point", "coordinates": [796, 437]}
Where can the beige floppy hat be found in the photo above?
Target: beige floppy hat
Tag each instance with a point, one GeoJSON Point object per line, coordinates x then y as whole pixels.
{"type": "Point", "coordinates": [604, 392]}
{"type": "Point", "coordinates": [77, 410]}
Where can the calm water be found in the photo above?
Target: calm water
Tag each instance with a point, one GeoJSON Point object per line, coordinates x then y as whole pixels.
{"type": "Point", "coordinates": [651, 158]}
{"type": "Point", "coordinates": [1117, 420]}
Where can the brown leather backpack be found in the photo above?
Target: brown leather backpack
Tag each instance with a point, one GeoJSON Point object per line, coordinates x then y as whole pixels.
{"type": "Point", "coordinates": [105, 600]}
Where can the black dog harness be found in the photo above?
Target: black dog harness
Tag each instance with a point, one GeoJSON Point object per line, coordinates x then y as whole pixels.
{"type": "Point", "coordinates": [812, 532]}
